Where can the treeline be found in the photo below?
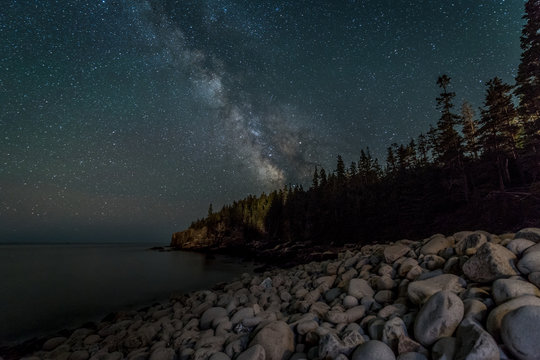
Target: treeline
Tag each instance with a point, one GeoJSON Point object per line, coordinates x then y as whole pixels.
{"type": "Point", "coordinates": [468, 171]}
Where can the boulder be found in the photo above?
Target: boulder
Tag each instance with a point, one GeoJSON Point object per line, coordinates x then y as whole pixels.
{"type": "Point", "coordinates": [520, 332]}
{"type": "Point", "coordinates": [210, 315]}
{"type": "Point", "coordinates": [360, 288]}
{"type": "Point", "coordinates": [255, 352]}
{"type": "Point", "coordinates": [419, 291]}
{"type": "Point", "coordinates": [393, 252]}
{"type": "Point", "coordinates": [506, 289]}
{"type": "Point", "coordinates": [412, 356]}
{"type": "Point", "coordinates": [474, 343]}
{"type": "Point", "coordinates": [444, 349]}
{"type": "Point", "coordinates": [532, 234]}
{"type": "Point", "coordinates": [470, 244]}
{"type": "Point", "coordinates": [530, 262]}
{"type": "Point", "coordinates": [163, 354]}
{"type": "Point", "coordinates": [436, 244]}
{"type": "Point", "coordinates": [277, 339]}
{"type": "Point", "coordinates": [490, 262]}
{"type": "Point", "coordinates": [373, 349]}
{"type": "Point", "coordinates": [495, 317]}
{"type": "Point", "coordinates": [518, 246]}
{"type": "Point", "coordinates": [438, 317]}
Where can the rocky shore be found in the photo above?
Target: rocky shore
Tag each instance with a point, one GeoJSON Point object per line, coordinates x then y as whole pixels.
{"type": "Point", "coordinates": [472, 295]}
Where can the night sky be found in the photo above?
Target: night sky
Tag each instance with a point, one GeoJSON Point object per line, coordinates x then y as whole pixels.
{"type": "Point", "coordinates": [122, 120]}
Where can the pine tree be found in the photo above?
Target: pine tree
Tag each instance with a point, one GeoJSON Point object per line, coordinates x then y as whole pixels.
{"type": "Point", "coordinates": [528, 77]}
{"type": "Point", "coordinates": [210, 210]}
{"type": "Point", "coordinates": [315, 181]}
{"type": "Point", "coordinates": [340, 170]}
{"type": "Point", "coordinates": [390, 160]}
{"type": "Point", "coordinates": [498, 129]}
{"type": "Point", "coordinates": [448, 140]}
{"type": "Point", "coordinates": [322, 178]}
{"type": "Point", "coordinates": [353, 170]}
{"type": "Point", "coordinates": [422, 150]}
{"type": "Point", "coordinates": [470, 131]}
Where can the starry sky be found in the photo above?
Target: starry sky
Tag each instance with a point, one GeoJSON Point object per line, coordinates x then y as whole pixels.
{"type": "Point", "coordinates": [122, 120]}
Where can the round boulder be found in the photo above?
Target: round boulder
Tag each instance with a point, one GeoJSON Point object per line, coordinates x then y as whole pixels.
{"type": "Point", "coordinates": [373, 349]}
{"type": "Point", "coordinates": [277, 339]}
{"type": "Point", "coordinates": [490, 262]}
{"type": "Point", "coordinates": [439, 317]}
{"type": "Point", "coordinates": [520, 332]}
{"type": "Point", "coordinates": [530, 262]}
{"type": "Point", "coordinates": [495, 317]}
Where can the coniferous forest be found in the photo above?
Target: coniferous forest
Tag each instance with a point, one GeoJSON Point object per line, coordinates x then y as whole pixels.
{"type": "Point", "coordinates": [472, 169]}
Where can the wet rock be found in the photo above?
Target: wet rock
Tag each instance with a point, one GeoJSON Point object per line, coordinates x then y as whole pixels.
{"type": "Point", "coordinates": [438, 317]}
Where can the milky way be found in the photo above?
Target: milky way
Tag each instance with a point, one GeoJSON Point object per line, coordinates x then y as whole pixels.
{"type": "Point", "coordinates": [123, 120]}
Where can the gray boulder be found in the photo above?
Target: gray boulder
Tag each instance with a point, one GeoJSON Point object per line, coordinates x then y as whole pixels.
{"type": "Point", "coordinates": [444, 349]}
{"type": "Point", "coordinates": [419, 291]}
{"type": "Point", "coordinates": [255, 352]}
{"type": "Point", "coordinates": [495, 317]}
{"type": "Point", "coordinates": [490, 262]}
{"type": "Point", "coordinates": [520, 332]}
{"type": "Point", "coordinates": [277, 339]}
{"type": "Point", "coordinates": [360, 288]}
{"type": "Point", "coordinates": [439, 317]}
{"type": "Point", "coordinates": [373, 349]}
{"type": "Point", "coordinates": [506, 289]}
{"type": "Point", "coordinates": [210, 315]}
{"type": "Point", "coordinates": [393, 252]}
{"type": "Point", "coordinates": [518, 246]}
{"type": "Point", "coordinates": [532, 234]}
{"type": "Point", "coordinates": [530, 262]}
{"type": "Point", "coordinates": [474, 343]}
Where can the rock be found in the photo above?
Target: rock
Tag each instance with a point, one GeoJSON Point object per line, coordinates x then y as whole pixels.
{"type": "Point", "coordinates": [470, 244]}
{"type": "Point", "coordinates": [360, 288]}
{"type": "Point", "coordinates": [331, 346]}
{"type": "Point", "coordinates": [210, 315]}
{"type": "Point", "coordinates": [436, 244]}
{"type": "Point", "coordinates": [306, 326]}
{"type": "Point", "coordinates": [412, 356]}
{"type": "Point", "coordinates": [419, 291]}
{"type": "Point", "coordinates": [518, 246]}
{"type": "Point", "coordinates": [350, 301]}
{"type": "Point", "coordinates": [219, 356]}
{"type": "Point", "coordinates": [495, 317]}
{"type": "Point", "coordinates": [534, 278]}
{"type": "Point", "coordinates": [163, 354]}
{"type": "Point", "coordinates": [534, 248]}
{"type": "Point", "coordinates": [79, 355]}
{"type": "Point", "coordinates": [406, 344]}
{"type": "Point", "coordinates": [530, 262]}
{"type": "Point", "coordinates": [355, 313]}
{"type": "Point", "coordinates": [332, 294]}
{"type": "Point", "coordinates": [520, 332]}
{"type": "Point", "coordinates": [532, 234]}
{"type": "Point", "coordinates": [438, 317]}
{"type": "Point", "coordinates": [474, 343]}
{"type": "Point", "coordinates": [406, 266]}
{"type": "Point", "coordinates": [475, 309]}
{"type": "Point", "coordinates": [394, 252]}
{"type": "Point", "coordinates": [277, 339]}
{"type": "Point", "coordinates": [242, 314]}
{"type": "Point", "coordinates": [384, 296]}
{"type": "Point", "coordinates": [255, 352]}
{"type": "Point", "coordinates": [491, 262]}
{"type": "Point", "coordinates": [444, 349]}
{"type": "Point", "coordinates": [53, 343]}
{"type": "Point", "coordinates": [506, 289]}
{"type": "Point", "coordinates": [433, 262]}
{"type": "Point", "coordinates": [373, 349]}
{"type": "Point", "coordinates": [392, 331]}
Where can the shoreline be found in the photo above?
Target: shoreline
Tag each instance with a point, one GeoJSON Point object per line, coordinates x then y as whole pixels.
{"type": "Point", "coordinates": [445, 295]}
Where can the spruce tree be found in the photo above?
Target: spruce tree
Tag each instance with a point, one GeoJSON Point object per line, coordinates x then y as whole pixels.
{"type": "Point", "coordinates": [470, 129]}
{"type": "Point", "coordinates": [448, 140]}
{"type": "Point", "coordinates": [528, 77]}
{"type": "Point", "coordinates": [315, 181]}
{"type": "Point", "coordinates": [340, 170]}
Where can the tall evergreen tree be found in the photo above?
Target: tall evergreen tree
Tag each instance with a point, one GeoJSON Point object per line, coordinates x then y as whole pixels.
{"type": "Point", "coordinates": [470, 129]}
{"type": "Point", "coordinates": [528, 77]}
{"type": "Point", "coordinates": [391, 163]}
{"type": "Point", "coordinates": [315, 181]}
{"type": "Point", "coordinates": [448, 140]}
{"type": "Point", "coordinates": [498, 129]}
{"type": "Point", "coordinates": [340, 170]}
{"type": "Point", "coordinates": [422, 150]}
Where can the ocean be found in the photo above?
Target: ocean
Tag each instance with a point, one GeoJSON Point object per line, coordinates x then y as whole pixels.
{"type": "Point", "coordinates": [46, 288]}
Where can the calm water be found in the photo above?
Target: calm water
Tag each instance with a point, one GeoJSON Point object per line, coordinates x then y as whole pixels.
{"type": "Point", "coordinates": [44, 288]}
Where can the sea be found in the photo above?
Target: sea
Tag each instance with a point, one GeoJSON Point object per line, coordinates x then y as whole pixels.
{"type": "Point", "coordinates": [45, 288]}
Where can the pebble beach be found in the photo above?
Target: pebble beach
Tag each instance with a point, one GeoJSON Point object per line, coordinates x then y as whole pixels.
{"type": "Point", "coordinates": [471, 295]}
